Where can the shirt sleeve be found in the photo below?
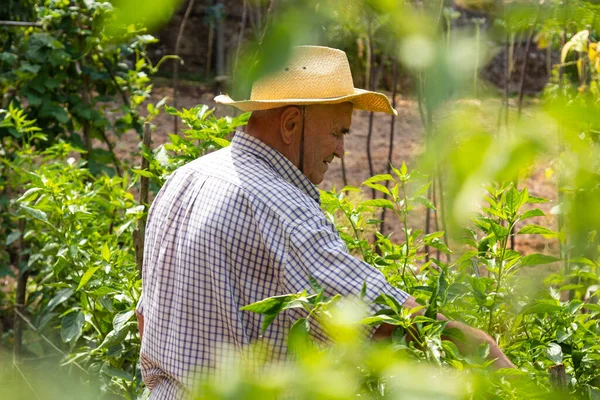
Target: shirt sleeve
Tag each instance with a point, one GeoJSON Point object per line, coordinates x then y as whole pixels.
{"type": "Point", "coordinates": [317, 250]}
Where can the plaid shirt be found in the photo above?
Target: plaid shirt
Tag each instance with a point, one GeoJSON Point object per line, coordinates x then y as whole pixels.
{"type": "Point", "coordinates": [229, 229]}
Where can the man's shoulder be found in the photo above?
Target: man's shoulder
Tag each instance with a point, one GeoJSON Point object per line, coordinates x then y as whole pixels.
{"type": "Point", "coordinates": [252, 178]}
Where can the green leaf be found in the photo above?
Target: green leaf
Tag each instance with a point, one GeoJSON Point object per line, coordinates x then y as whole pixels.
{"type": "Point", "coordinates": [574, 306]}
{"type": "Point", "coordinates": [582, 260]}
{"type": "Point", "coordinates": [121, 319]}
{"type": "Point", "coordinates": [378, 178]}
{"type": "Point", "coordinates": [267, 321]}
{"type": "Point", "coordinates": [35, 213]}
{"type": "Point", "coordinates": [554, 353]}
{"type": "Point", "coordinates": [592, 307]}
{"type": "Point", "coordinates": [483, 350]}
{"type": "Point", "coordinates": [536, 212]}
{"type": "Point", "coordinates": [540, 308]}
{"type": "Point", "coordinates": [363, 290]}
{"type": "Point", "coordinates": [466, 256]}
{"type": "Point", "coordinates": [72, 326]}
{"type": "Point", "coordinates": [116, 372]}
{"type": "Point", "coordinates": [513, 198]}
{"type": "Point", "coordinates": [538, 259]}
{"type": "Point", "coordinates": [379, 188]}
{"type": "Point", "coordinates": [378, 203]}
{"type": "Point", "coordinates": [123, 228]}
{"type": "Point", "coordinates": [533, 199]}
{"type": "Point", "coordinates": [115, 336]}
{"type": "Point", "coordinates": [12, 237]}
{"type": "Point", "coordinates": [403, 168]}
{"type": "Point", "coordinates": [455, 333]}
{"type": "Point", "coordinates": [60, 297]}
{"type": "Point", "coordinates": [143, 173]}
{"type": "Point", "coordinates": [431, 236]}
{"type": "Point", "coordinates": [314, 284]}
{"type": "Point", "coordinates": [298, 339]}
{"type": "Point", "coordinates": [439, 245]}
{"type": "Point", "coordinates": [105, 252]}
{"type": "Point", "coordinates": [220, 141]}
{"type": "Point", "coordinates": [87, 276]}
{"type": "Point", "coordinates": [269, 304]}
{"type": "Point", "coordinates": [499, 231]}
{"type": "Point", "coordinates": [537, 230]}
{"type": "Point", "coordinates": [425, 201]}
{"type": "Point", "coordinates": [381, 319]}
{"type": "Point", "coordinates": [389, 301]}
{"type": "Point", "coordinates": [28, 194]}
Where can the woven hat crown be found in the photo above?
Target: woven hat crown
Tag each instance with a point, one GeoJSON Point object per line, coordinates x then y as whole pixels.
{"type": "Point", "coordinates": [312, 72]}
{"type": "Point", "coordinates": [312, 75]}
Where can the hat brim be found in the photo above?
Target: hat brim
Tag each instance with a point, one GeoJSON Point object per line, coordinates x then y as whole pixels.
{"type": "Point", "coordinates": [361, 100]}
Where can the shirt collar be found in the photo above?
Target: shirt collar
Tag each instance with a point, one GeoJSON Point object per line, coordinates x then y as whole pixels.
{"type": "Point", "coordinates": [276, 161]}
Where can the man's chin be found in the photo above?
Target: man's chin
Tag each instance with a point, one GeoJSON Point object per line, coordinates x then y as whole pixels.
{"type": "Point", "coordinates": [316, 179]}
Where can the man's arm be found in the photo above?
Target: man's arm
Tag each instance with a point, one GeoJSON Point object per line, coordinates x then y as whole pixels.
{"type": "Point", "coordinates": [140, 319]}
{"type": "Point", "coordinates": [473, 337]}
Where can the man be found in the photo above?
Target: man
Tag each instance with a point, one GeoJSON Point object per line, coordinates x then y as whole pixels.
{"type": "Point", "coordinates": [244, 223]}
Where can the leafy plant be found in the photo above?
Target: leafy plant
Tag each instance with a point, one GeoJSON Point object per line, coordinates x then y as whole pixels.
{"type": "Point", "coordinates": [75, 79]}
{"type": "Point", "coordinates": [205, 133]}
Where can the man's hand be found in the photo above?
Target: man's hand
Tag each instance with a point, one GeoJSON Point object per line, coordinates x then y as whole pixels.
{"type": "Point", "coordinates": [473, 337]}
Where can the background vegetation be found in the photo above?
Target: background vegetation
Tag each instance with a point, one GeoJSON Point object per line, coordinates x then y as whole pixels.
{"type": "Point", "coordinates": [73, 212]}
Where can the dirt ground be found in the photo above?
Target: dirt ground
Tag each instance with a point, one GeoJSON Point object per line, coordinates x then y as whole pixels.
{"type": "Point", "coordinates": [409, 145]}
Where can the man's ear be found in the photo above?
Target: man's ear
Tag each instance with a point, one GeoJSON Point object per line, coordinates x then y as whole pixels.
{"type": "Point", "coordinates": [290, 124]}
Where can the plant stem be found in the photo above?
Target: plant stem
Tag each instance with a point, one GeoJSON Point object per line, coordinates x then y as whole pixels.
{"type": "Point", "coordinates": [356, 235]}
{"type": "Point", "coordinates": [499, 275]}
{"type": "Point", "coordinates": [406, 236]}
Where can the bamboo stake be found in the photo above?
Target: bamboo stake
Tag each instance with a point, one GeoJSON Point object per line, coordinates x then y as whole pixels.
{"type": "Point", "coordinates": [177, 61]}
{"type": "Point", "coordinates": [563, 247]}
{"type": "Point", "coordinates": [427, 145]}
{"type": "Point", "coordinates": [558, 378]}
{"type": "Point", "coordinates": [240, 39]}
{"type": "Point", "coordinates": [140, 233]}
{"type": "Point", "coordinates": [392, 130]}
{"type": "Point", "coordinates": [20, 297]}
{"type": "Point", "coordinates": [344, 177]}
{"type": "Point", "coordinates": [211, 29]}
{"type": "Point", "coordinates": [525, 59]}
{"type": "Point", "coordinates": [371, 114]}
{"type": "Point", "coordinates": [144, 181]}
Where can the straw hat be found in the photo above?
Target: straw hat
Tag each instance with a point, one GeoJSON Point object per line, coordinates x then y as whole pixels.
{"type": "Point", "coordinates": [313, 75]}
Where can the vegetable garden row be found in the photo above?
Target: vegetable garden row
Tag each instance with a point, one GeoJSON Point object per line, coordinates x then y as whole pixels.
{"type": "Point", "coordinates": [72, 215]}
